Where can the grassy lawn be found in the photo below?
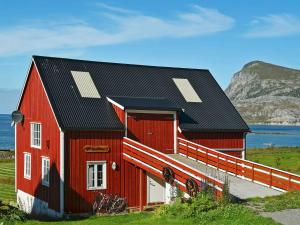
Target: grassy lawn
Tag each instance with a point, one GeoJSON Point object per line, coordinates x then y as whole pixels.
{"type": "Point", "coordinates": [284, 158]}
{"type": "Point", "coordinates": [231, 215]}
{"type": "Point", "coordinates": [289, 200]}
{"type": "Point", "coordinates": [7, 180]}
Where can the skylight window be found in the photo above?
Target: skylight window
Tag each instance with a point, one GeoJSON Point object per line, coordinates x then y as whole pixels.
{"type": "Point", "coordinates": [187, 90]}
{"type": "Point", "coordinates": [85, 84]}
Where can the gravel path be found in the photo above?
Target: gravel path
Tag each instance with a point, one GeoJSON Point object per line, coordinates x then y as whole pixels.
{"type": "Point", "coordinates": [286, 217]}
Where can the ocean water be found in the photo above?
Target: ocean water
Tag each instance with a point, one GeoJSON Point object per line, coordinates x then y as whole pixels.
{"type": "Point", "coordinates": [7, 133]}
{"type": "Point", "coordinates": [262, 136]}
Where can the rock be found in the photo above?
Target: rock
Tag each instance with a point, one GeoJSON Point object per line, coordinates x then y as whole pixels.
{"type": "Point", "coordinates": [266, 94]}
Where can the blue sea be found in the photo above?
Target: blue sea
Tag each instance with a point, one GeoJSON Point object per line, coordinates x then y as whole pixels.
{"type": "Point", "coordinates": [7, 133]}
{"type": "Point", "coordinates": [262, 136]}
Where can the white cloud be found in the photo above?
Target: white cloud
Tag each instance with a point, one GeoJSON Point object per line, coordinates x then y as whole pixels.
{"type": "Point", "coordinates": [274, 26]}
{"type": "Point", "coordinates": [127, 26]}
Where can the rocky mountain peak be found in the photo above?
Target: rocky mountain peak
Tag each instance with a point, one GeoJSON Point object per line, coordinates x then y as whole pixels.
{"type": "Point", "coordinates": [266, 93]}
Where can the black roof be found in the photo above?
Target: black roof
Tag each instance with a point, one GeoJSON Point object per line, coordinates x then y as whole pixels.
{"type": "Point", "coordinates": [214, 113]}
{"type": "Point", "coordinates": [145, 103]}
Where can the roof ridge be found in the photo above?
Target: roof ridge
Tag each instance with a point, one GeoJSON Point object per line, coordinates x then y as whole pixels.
{"type": "Point", "coordinates": [122, 64]}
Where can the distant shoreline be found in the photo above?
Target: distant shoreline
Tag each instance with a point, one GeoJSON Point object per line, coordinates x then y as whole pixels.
{"type": "Point", "coordinates": [275, 124]}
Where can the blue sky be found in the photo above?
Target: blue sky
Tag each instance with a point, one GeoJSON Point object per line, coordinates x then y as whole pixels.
{"type": "Point", "coordinates": [218, 35]}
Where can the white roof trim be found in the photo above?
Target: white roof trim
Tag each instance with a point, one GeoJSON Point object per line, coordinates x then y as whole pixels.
{"type": "Point", "coordinates": [85, 84]}
{"type": "Point", "coordinates": [187, 90]}
{"type": "Point", "coordinates": [115, 103]}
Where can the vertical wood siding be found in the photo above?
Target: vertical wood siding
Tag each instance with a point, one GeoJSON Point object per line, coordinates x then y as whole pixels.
{"type": "Point", "coordinates": [226, 141]}
{"type": "Point", "coordinates": [153, 130]}
{"type": "Point", "coordinates": [35, 107]}
{"type": "Point", "coordinates": [124, 181]}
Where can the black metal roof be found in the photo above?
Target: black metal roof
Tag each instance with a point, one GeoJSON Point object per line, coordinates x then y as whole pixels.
{"type": "Point", "coordinates": [145, 103]}
{"type": "Point", "coordinates": [214, 113]}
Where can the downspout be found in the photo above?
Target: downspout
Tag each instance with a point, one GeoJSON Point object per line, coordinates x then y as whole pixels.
{"type": "Point", "coordinates": [244, 146]}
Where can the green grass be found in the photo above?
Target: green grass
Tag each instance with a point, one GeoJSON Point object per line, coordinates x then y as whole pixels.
{"type": "Point", "coordinates": [7, 180]}
{"type": "Point", "coordinates": [284, 158]}
{"type": "Point", "coordinates": [289, 200]}
{"type": "Point", "coordinates": [229, 214]}
{"type": "Point", "coordinates": [232, 215]}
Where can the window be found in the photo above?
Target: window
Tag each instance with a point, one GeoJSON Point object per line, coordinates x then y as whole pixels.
{"type": "Point", "coordinates": [96, 175]}
{"type": "Point", "coordinates": [35, 137]}
{"type": "Point", "coordinates": [85, 84]}
{"type": "Point", "coordinates": [45, 171]}
{"type": "Point", "coordinates": [187, 90]}
{"type": "Point", "coordinates": [27, 165]}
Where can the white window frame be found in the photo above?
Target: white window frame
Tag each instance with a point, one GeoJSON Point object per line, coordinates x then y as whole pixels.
{"type": "Point", "coordinates": [27, 170]}
{"type": "Point", "coordinates": [32, 131]}
{"type": "Point", "coordinates": [104, 174]}
{"type": "Point", "coordinates": [47, 160]}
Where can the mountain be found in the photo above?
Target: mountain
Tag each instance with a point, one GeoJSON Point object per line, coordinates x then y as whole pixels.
{"type": "Point", "coordinates": [266, 93]}
{"type": "Point", "coordinates": [8, 100]}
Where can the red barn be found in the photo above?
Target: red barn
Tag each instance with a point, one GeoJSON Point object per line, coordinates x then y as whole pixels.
{"type": "Point", "coordinates": [77, 113]}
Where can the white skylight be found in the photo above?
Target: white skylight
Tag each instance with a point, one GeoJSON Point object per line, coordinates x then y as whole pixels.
{"type": "Point", "coordinates": [187, 90]}
{"type": "Point", "coordinates": [85, 84]}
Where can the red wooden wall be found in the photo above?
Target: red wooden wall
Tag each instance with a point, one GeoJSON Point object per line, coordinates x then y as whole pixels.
{"type": "Point", "coordinates": [220, 141]}
{"type": "Point", "coordinates": [35, 107]}
{"type": "Point", "coordinates": [120, 113]}
{"type": "Point", "coordinates": [153, 130]}
{"type": "Point", "coordinates": [124, 181]}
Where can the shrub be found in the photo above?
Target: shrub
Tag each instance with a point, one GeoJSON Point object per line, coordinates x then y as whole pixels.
{"type": "Point", "coordinates": [10, 214]}
{"type": "Point", "coordinates": [192, 208]}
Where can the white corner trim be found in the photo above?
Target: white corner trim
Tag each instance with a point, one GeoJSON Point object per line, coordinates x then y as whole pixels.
{"type": "Point", "coordinates": [62, 171]}
{"type": "Point", "coordinates": [115, 103]}
{"type": "Point", "coordinates": [16, 167]}
{"type": "Point", "coordinates": [244, 147]}
{"type": "Point", "coordinates": [175, 132]}
{"type": "Point", "coordinates": [126, 117]}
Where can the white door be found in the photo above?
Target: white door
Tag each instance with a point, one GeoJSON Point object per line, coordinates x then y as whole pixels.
{"type": "Point", "coordinates": [155, 189]}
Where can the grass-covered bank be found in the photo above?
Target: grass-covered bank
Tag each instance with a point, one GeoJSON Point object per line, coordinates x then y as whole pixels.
{"type": "Point", "coordinates": [284, 158]}
{"type": "Point", "coordinates": [200, 210]}
{"type": "Point", "coordinates": [7, 180]}
{"type": "Point", "coordinates": [289, 200]}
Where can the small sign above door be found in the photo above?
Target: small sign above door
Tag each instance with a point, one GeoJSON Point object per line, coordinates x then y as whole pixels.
{"type": "Point", "coordinates": [98, 148]}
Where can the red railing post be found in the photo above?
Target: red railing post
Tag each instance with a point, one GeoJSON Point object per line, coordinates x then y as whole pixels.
{"type": "Point", "coordinates": [235, 167]}
{"type": "Point", "coordinates": [271, 174]}
{"type": "Point", "coordinates": [252, 172]}
{"type": "Point", "coordinates": [218, 161]}
{"type": "Point", "coordinates": [187, 149]}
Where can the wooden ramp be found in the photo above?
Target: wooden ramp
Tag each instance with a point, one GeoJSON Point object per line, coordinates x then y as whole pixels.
{"type": "Point", "coordinates": [238, 187]}
{"type": "Point", "coordinates": [154, 161]}
{"type": "Point", "coordinates": [246, 179]}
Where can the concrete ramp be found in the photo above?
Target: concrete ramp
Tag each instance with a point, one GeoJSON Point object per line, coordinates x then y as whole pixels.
{"type": "Point", "coordinates": [238, 187]}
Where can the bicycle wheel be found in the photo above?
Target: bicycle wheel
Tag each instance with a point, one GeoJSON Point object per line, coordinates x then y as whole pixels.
{"type": "Point", "coordinates": [119, 206]}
